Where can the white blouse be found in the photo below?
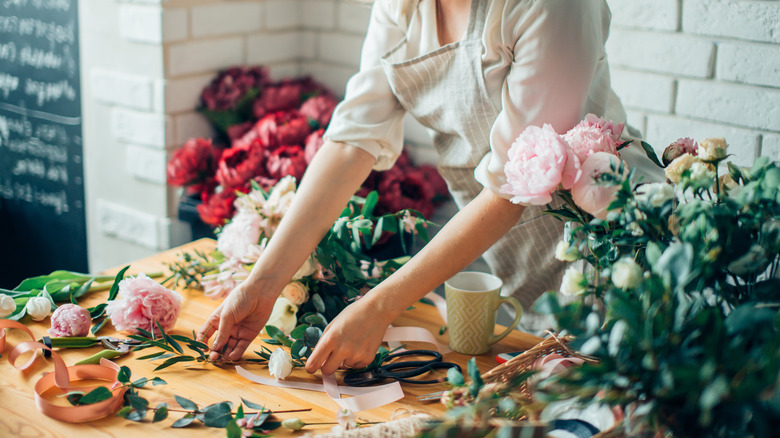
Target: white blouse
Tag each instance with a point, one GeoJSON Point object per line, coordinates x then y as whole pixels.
{"type": "Point", "coordinates": [543, 62]}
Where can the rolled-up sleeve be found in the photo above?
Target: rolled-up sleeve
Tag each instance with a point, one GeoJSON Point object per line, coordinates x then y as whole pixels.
{"type": "Point", "coordinates": [556, 51]}
{"type": "Point", "coordinates": [370, 116]}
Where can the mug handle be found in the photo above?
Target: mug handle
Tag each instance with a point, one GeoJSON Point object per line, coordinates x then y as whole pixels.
{"type": "Point", "coordinates": [518, 314]}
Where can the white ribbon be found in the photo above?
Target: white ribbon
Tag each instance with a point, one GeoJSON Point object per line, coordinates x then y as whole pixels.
{"type": "Point", "coordinates": [370, 397]}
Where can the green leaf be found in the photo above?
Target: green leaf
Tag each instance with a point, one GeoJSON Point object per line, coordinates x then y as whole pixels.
{"type": "Point", "coordinates": [650, 152]}
{"type": "Point", "coordinates": [378, 231]}
{"type": "Point", "coordinates": [140, 383]}
{"type": "Point", "coordinates": [455, 377]}
{"type": "Point", "coordinates": [115, 287]}
{"type": "Point", "coordinates": [185, 403]}
{"type": "Point", "coordinates": [296, 348]}
{"type": "Point", "coordinates": [160, 412]}
{"type": "Point", "coordinates": [298, 332]}
{"type": "Point", "coordinates": [370, 204]}
{"type": "Point", "coordinates": [252, 405]}
{"type": "Point", "coordinates": [232, 430]}
{"type": "Point", "coordinates": [174, 360]}
{"type": "Point", "coordinates": [316, 319]}
{"type": "Point", "coordinates": [124, 411]}
{"type": "Point", "coordinates": [158, 381]}
{"type": "Point", "coordinates": [183, 421]}
{"type": "Point", "coordinates": [474, 374]}
{"type": "Point", "coordinates": [123, 376]}
{"type": "Point", "coordinates": [138, 403]}
{"type": "Point", "coordinates": [547, 304]}
{"type": "Point", "coordinates": [316, 300]}
{"type": "Point", "coordinates": [273, 332]}
{"type": "Point", "coordinates": [137, 415]}
{"type": "Point", "coordinates": [217, 415]}
{"type": "Point", "coordinates": [312, 336]}
{"type": "Point", "coordinates": [96, 328]}
{"type": "Point", "coordinates": [152, 356]}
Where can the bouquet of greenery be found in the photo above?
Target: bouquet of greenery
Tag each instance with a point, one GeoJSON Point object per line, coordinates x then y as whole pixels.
{"type": "Point", "coordinates": [680, 296]}
{"type": "Point", "coordinates": [346, 264]}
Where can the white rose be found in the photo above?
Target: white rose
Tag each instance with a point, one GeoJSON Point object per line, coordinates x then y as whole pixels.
{"type": "Point", "coordinates": [38, 308]}
{"type": "Point", "coordinates": [283, 315]}
{"type": "Point", "coordinates": [573, 282]}
{"type": "Point", "coordinates": [626, 273]}
{"type": "Point", "coordinates": [655, 194]}
{"type": "Point", "coordinates": [565, 253]}
{"type": "Point", "coordinates": [280, 364]}
{"type": "Point", "coordinates": [7, 305]}
{"type": "Point", "coordinates": [296, 292]}
{"type": "Point", "coordinates": [702, 175]}
{"type": "Point", "coordinates": [346, 419]}
{"type": "Point", "coordinates": [712, 149]}
{"type": "Point", "coordinates": [309, 267]}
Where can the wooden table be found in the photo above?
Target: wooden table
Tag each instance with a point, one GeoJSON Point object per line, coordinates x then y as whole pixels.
{"type": "Point", "coordinates": [204, 383]}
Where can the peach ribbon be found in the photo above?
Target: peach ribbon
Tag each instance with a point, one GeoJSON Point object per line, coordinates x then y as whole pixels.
{"type": "Point", "coordinates": [62, 377]}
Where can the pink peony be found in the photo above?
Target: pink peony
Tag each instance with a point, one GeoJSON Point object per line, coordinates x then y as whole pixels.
{"type": "Point", "coordinates": [592, 135]}
{"type": "Point", "coordinates": [587, 193]}
{"type": "Point", "coordinates": [678, 148]}
{"type": "Point", "coordinates": [539, 161]}
{"type": "Point", "coordinates": [313, 143]}
{"type": "Point", "coordinates": [70, 320]}
{"type": "Point", "coordinates": [405, 189]}
{"type": "Point", "coordinates": [319, 109]}
{"type": "Point", "coordinates": [143, 304]}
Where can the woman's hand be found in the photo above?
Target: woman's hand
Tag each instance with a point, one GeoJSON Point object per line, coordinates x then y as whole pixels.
{"type": "Point", "coordinates": [237, 321]}
{"type": "Point", "coordinates": [351, 340]}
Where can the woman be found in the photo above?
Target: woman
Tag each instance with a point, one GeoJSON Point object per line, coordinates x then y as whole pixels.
{"type": "Point", "coordinates": [477, 72]}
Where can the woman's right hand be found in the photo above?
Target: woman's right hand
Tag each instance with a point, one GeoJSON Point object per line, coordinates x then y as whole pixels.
{"type": "Point", "coordinates": [236, 322]}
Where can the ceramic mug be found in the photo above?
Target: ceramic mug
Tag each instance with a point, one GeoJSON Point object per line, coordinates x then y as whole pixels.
{"type": "Point", "coordinates": [473, 299]}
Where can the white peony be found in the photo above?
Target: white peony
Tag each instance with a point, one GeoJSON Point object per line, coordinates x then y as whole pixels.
{"type": "Point", "coordinates": [280, 364]}
{"type": "Point", "coordinates": [626, 273]}
{"type": "Point", "coordinates": [238, 236]}
{"type": "Point", "coordinates": [7, 305]}
{"type": "Point", "coordinates": [38, 308]}
{"type": "Point", "coordinates": [655, 194]}
{"type": "Point", "coordinates": [573, 282]}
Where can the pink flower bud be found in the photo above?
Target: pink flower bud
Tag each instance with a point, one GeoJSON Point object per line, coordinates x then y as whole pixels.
{"type": "Point", "coordinates": [70, 320]}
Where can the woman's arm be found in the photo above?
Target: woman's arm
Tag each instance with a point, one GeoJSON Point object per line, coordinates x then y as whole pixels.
{"type": "Point", "coordinates": [330, 180]}
{"type": "Point", "coordinates": [353, 337]}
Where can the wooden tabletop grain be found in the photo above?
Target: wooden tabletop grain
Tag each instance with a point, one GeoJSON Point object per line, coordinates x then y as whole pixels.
{"type": "Point", "coordinates": [205, 383]}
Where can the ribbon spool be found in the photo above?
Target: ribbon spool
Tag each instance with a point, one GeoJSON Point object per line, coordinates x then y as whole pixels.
{"type": "Point", "coordinates": [62, 377]}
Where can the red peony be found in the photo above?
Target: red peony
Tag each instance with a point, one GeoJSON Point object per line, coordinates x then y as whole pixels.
{"type": "Point", "coordinates": [227, 89]}
{"type": "Point", "coordinates": [405, 189]}
{"type": "Point", "coordinates": [287, 160]}
{"type": "Point", "coordinates": [282, 96]}
{"type": "Point", "coordinates": [438, 184]}
{"type": "Point", "coordinates": [193, 164]}
{"type": "Point", "coordinates": [217, 208]}
{"type": "Point", "coordinates": [282, 128]}
{"type": "Point", "coordinates": [320, 109]}
{"type": "Point", "coordinates": [313, 143]}
{"type": "Point", "coordinates": [240, 164]}
{"type": "Point", "coordinates": [236, 132]}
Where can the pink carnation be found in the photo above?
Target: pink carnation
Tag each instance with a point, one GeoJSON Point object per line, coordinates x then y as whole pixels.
{"type": "Point", "coordinates": [592, 135]}
{"type": "Point", "coordinates": [587, 193]}
{"type": "Point", "coordinates": [70, 320]}
{"type": "Point", "coordinates": [539, 161]}
{"type": "Point", "coordinates": [678, 148]}
{"type": "Point", "coordinates": [143, 304]}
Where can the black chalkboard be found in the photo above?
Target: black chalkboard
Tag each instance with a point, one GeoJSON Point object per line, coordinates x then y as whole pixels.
{"type": "Point", "coordinates": [42, 217]}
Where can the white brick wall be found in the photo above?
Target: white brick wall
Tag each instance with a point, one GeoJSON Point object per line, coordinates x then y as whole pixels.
{"type": "Point", "coordinates": [141, 127]}
{"type": "Point", "coordinates": [646, 14]}
{"type": "Point", "coordinates": [671, 53]}
{"type": "Point", "coordinates": [225, 19]}
{"type": "Point", "coordinates": [146, 164]}
{"type": "Point", "coordinates": [753, 20]}
{"type": "Point", "coordinates": [113, 87]}
{"type": "Point", "coordinates": [204, 55]}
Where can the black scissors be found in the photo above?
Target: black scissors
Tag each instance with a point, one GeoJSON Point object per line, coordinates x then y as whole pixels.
{"type": "Point", "coordinates": [401, 370]}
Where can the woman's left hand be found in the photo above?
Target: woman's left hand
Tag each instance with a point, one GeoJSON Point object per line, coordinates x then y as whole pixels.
{"type": "Point", "coordinates": [351, 340]}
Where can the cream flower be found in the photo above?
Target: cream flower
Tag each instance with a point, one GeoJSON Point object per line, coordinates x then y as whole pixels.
{"type": "Point", "coordinates": [565, 252]}
{"type": "Point", "coordinates": [280, 364]}
{"type": "Point", "coordinates": [38, 308]}
{"type": "Point", "coordinates": [680, 164]}
{"type": "Point", "coordinates": [702, 175]}
{"type": "Point", "coordinates": [283, 315]}
{"type": "Point", "coordinates": [573, 282]}
{"type": "Point", "coordinates": [655, 194]}
{"type": "Point", "coordinates": [7, 305]}
{"type": "Point", "coordinates": [626, 273]}
{"type": "Point", "coordinates": [346, 419]}
{"type": "Point", "coordinates": [712, 149]}
{"type": "Point", "coordinates": [308, 267]}
{"type": "Point", "coordinates": [296, 292]}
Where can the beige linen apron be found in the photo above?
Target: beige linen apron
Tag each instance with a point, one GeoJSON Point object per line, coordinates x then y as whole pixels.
{"type": "Point", "coordinates": [445, 90]}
